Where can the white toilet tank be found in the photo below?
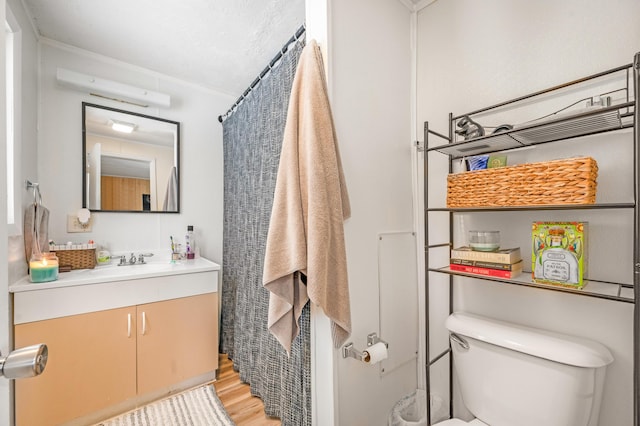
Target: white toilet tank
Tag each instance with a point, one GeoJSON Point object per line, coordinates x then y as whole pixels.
{"type": "Point", "coordinates": [515, 375]}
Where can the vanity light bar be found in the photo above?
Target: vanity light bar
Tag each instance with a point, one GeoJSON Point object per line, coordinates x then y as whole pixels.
{"type": "Point", "coordinates": [111, 89]}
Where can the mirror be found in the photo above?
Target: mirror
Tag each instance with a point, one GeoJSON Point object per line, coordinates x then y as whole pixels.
{"type": "Point", "coordinates": [130, 161]}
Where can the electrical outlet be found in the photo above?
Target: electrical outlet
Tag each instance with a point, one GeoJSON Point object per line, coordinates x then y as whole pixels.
{"type": "Point", "coordinates": [74, 225]}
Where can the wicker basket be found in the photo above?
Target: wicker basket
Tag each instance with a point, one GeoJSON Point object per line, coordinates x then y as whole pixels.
{"type": "Point", "coordinates": [567, 181]}
{"type": "Point", "coordinates": [76, 258]}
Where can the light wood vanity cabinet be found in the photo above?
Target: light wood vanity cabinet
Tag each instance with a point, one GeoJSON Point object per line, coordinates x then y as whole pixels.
{"type": "Point", "coordinates": [91, 365]}
{"type": "Point", "coordinates": [109, 361]}
{"type": "Point", "coordinates": [101, 359]}
{"type": "Point", "coordinates": [179, 341]}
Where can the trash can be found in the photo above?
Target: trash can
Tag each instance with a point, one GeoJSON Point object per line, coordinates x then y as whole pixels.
{"type": "Point", "coordinates": [411, 410]}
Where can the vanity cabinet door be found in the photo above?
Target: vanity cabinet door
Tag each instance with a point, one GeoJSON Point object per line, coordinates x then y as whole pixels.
{"type": "Point", "coordinates": [177, 340]}
{"type": "Point", "coordinates": [91, 365]}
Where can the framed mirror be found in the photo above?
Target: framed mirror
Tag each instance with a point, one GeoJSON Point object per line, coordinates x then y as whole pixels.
{"type": "Point", "coordinates": [130, 161]}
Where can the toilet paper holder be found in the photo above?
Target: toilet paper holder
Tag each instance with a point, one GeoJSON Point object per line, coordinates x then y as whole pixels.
{"type": "Point", "coordinates": [349, 351]}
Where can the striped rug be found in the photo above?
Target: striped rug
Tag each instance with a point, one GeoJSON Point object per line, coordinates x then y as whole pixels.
{"type": "Point", "coordinates": [195, 407]}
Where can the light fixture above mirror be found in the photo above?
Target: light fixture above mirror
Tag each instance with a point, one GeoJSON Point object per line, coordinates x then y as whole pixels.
{"type": "Point", "coordinates": [130, 161]}
{"type": "Point", "coordinates": [114, 90]}
{"type": "Point", "coordinates": [121, 126]}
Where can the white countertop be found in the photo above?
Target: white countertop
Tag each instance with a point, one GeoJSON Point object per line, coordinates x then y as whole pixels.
{"type": "Point", "coordinates": [113, 272]}
{"type": "Point", "coordinates": [111, 286]}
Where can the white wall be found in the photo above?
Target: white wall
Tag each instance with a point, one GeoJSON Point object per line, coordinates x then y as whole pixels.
{"type": "Point", "coordinates": [201, 156]}
{"type": "Point", "coordinates": [369, 72]}
{"type": "Point", "coordinates": [473, 54]}
{"type": "Point", "coordinates": [26, 167]}
{"type": "Point", "coordinates": [26, 150]}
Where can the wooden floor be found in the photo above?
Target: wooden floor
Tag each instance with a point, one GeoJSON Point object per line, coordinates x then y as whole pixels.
{"type": "Point", "coordinates": [244, 409]}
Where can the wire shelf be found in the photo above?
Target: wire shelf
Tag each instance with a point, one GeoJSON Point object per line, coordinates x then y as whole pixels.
{"type": "Point", "coordinates": [555, 129]}
{"type": "Point", "coordinates": [601, 289]}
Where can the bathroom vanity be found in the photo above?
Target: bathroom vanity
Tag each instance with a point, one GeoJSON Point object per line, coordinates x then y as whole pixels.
{"type": "Point", "coordinates": [118, 337]}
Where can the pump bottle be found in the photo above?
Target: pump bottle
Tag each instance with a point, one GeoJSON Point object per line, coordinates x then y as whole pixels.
{"type": "Point", "coordinates": [190, 243]}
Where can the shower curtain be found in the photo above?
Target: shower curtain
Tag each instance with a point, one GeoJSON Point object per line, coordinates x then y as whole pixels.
{"type": "Point", "coordinates": [252, 137]}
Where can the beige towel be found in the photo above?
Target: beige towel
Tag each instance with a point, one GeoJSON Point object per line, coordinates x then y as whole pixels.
{"type": "Point", "coordinates": [306, 231]}
{"type": "Point", "coordinates": [36, 230]}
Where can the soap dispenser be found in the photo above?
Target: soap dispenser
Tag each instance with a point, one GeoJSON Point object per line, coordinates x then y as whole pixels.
{"type": "Point", "coordinates": [190, 243]}
{"type": "Point", "coordinates": [103, 257]}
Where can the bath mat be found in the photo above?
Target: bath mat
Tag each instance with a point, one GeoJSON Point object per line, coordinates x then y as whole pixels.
{"type": "Point", "coordinates": [196, 407]}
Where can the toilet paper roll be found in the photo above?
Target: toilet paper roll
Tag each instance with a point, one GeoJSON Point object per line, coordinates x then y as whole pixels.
{"type": "Point", "coordinates": [375, 353]}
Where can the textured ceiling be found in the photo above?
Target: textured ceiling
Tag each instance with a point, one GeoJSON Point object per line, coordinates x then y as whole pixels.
{"type": "Point", "coordinates": [218, 44]}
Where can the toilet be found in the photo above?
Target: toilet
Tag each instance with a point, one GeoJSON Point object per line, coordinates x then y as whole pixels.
{"type": "Point", "coordinates": [512, 375]}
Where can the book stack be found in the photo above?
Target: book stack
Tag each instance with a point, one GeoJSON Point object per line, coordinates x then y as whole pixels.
{"type": "Point", "coordinates": [504, 263]}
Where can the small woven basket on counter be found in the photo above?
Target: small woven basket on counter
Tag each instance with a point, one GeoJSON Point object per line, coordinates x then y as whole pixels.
{"type": "Point", "coordinates": [76, 258]}
{"type": "Point", "coordinates": [566, 181]}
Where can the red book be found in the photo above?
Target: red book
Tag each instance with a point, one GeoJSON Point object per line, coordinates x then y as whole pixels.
{"type": "Point", "coordinates": [498, 273]}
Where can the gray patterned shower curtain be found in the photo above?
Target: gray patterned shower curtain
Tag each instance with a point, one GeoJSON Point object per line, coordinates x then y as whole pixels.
{"type": "Point", "coordinates": [252, 137]}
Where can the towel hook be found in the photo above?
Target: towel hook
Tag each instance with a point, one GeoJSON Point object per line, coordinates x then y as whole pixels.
{"type": "Point", "coordinates": [37, 196]}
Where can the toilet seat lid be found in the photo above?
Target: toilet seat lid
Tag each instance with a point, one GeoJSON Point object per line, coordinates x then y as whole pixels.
{"type": "Point", "coordinates": [458, 422]}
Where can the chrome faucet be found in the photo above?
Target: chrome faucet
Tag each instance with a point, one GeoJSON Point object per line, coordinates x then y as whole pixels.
{"type": "Point", "coordinates": [133, 260]}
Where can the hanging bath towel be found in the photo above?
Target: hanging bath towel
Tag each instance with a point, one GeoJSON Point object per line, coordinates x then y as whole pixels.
{"type": "Point", "coordinates": [36, 229]}
{"type": "Point", "coordinates": [306, 234]}
{"type": "Point", "coordinates": [170, 203]}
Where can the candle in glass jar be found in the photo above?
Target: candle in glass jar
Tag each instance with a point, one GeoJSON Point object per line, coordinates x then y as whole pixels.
{"type": "Point", "coordinates": [43, 268]}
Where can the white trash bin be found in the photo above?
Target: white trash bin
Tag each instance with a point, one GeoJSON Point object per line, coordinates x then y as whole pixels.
{"type": "Point", "coordinates": [411, 410]}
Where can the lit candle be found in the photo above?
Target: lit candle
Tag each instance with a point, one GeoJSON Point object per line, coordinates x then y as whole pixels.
{"type": "Point", "coordinates": [43, 268]}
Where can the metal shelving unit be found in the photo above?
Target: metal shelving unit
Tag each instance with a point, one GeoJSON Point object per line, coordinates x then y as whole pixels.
{"type": "Point", "coordinates": [554, 128]}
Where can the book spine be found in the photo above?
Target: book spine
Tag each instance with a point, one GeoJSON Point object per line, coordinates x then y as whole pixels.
{"type": "Point", "coordinates": [498, 273]}
{"type": "Point", "coordinates": [483, 256]}
{"type": "Point", "coordinates": [483, 264]}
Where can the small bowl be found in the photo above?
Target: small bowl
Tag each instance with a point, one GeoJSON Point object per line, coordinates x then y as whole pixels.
{"type": "Point", "coordinates": [484, 240]}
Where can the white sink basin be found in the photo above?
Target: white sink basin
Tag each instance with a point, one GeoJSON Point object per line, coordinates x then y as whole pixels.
{"type": "Point", "coordinates": [137, 268]}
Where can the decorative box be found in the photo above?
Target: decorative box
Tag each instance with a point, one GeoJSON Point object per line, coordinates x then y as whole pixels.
{"type": "Point", "coordinates": [559, 253]}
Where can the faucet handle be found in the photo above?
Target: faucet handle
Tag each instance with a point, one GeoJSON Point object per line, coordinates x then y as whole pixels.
{"type": "Point", "coordinates": [141, 257]}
